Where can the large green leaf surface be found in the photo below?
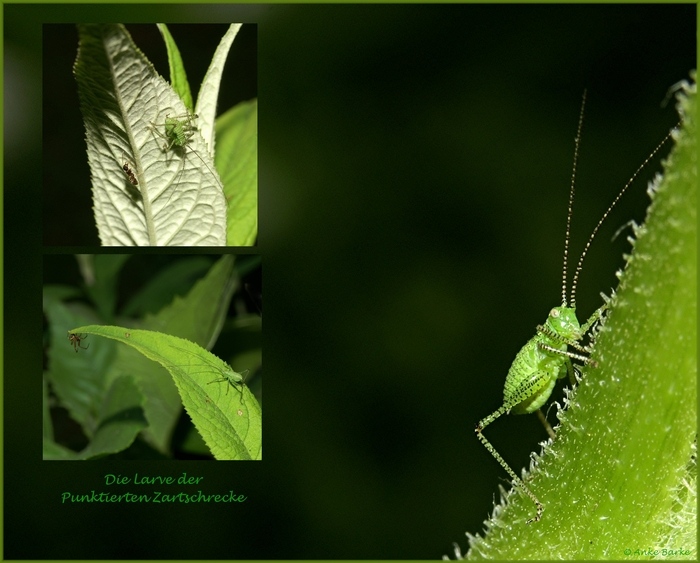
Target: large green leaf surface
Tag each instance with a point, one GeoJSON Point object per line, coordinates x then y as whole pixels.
{"type": "Point", "coordinates": [223, 410]}
{"type": "Point", "coordinates": [145, 193]}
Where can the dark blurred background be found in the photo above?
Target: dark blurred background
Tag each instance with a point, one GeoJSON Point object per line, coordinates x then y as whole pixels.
{"type": "Point", "coordinates": [414, 172]}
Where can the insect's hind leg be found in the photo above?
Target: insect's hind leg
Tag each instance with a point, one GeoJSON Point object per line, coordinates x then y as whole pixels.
{"type": "Point", "coordinates": [517, 480]}
{"type": "Point", "coordinates": [546, 424]}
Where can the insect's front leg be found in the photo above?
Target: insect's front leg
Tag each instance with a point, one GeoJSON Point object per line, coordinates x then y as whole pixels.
{"type": "Point", "coordinates": [594, 318]}
{"type": "Point", "coordinates": [565, 353]}
{"type": "Point", "coordinates": [586, 327]}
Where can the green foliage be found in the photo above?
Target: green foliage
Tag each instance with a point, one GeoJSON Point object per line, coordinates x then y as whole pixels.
{"type": "Point", "coordinates": [116, 392]}
{"type": "Point", "coordinates": [230, 425]}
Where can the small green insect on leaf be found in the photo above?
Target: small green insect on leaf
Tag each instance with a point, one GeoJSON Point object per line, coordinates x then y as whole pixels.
{"type": "Point", "coordinates": [235, 380]}
{"type": "Point", "coordinates": [179, 133]}
{"type": "Point", "coordinates": [202, 364]}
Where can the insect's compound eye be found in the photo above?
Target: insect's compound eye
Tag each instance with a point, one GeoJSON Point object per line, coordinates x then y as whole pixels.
{"type": "Point", "coordinates": [554, 313]}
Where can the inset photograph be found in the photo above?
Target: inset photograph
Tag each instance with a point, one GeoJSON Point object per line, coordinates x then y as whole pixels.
{"type": "Point", "coordinates": [150, 135]}
{"type": "Point", "coordinates": [152, 357]}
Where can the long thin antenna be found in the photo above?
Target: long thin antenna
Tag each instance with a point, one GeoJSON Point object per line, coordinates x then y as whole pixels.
{"type": "Point", "coordinates": [607, 212]}
{"type": "Point", "coordinates": [571, 202]}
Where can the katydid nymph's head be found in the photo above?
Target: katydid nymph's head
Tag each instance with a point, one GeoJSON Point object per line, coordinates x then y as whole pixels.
{"type": "Point", "coordinates": [563, 321]}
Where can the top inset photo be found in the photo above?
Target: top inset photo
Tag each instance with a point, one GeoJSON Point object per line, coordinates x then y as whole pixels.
{"type": "Point", "coordinates": [150, 135]}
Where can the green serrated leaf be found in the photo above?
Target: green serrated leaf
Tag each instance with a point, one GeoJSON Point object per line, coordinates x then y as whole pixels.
{"type": "Point", "coordinates": [229, 420]}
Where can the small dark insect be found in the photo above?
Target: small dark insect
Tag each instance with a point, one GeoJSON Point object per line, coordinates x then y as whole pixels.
{"type": "Point", "coordinates": [129, 173]}
{"type": "Point", "coordinates": [75, 339]}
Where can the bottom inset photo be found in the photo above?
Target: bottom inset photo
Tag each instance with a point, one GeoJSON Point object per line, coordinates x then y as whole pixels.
{"type": "Point", "coordinates": [152, 357]}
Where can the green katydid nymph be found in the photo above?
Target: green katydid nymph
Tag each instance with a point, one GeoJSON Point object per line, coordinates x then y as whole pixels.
{"type": "Point", "coordinates": [545, 358]}
{"type": "Point", "coordinates": [178, 135]}
{"type": "Point", "coordinates": [216, 367]}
